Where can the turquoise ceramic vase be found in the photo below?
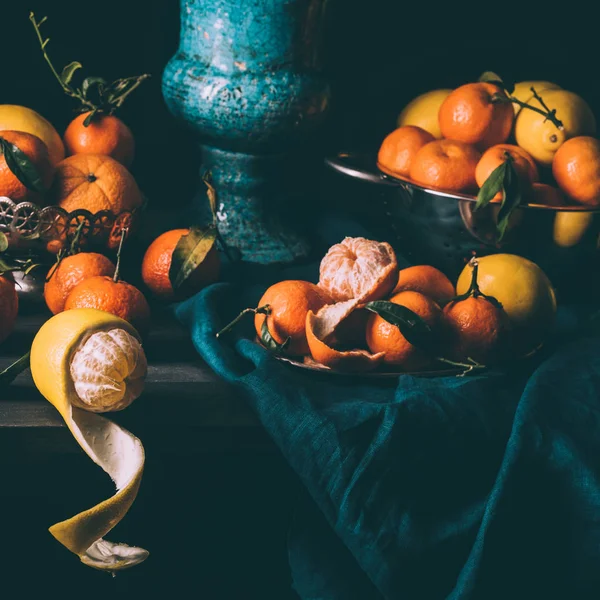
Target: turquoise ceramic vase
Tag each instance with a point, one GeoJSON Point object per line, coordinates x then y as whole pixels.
{"type": "Point", "coordinates": [247, 79]}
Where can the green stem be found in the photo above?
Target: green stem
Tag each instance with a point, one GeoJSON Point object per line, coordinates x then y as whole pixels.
{"type": "Point", "coordinates": [124, 232]}
{"type": "Point", "coordinates": [138, 80]}
{"type": "Point", "coordinates": [472, 365]}
{"type": "Point", "coordinates": [10, 373]}
{"type": "Point", "coordinates": [546, 112]}
{"type": "Point", "coordinates": [43, 43]}
{"type": "Point", "coordinates": [261, 310]}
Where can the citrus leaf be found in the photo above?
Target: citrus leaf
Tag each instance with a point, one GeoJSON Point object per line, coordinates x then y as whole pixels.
{"type": "Point", "coordinates": [411, 325]}
{"type": "Point", "coordinates": [511, 198]}
{"type": "Point", "coordinates": [491, 186]}
{"type": "Point", "coordinates": [269, 341]}
{"type": "Point", "coordinates": [89, 83]}
{"type": "Point", "coordinates": [10, 373]}
{"type": "Point", "coordinates": [211, 193]}
{"type": "Point", "coordinates": [3, 242]}
{"type": "Point", "coordinates": [90, 117]}
{"type": "Point", "coordinates": [491, 77]}
{"type": "Point", "coordinates": [20, 165]}
{"type": "Point", "coordinates": [67, 73]}
{"type": "Point", "coordinates": [190, 252]}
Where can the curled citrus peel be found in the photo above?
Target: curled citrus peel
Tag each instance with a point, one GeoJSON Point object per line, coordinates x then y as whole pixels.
{"type": "Point", "coordinates": [358, 269]}
{"type": "Point", "coordinates": [320, 332]}
{"type": "Point", "coordinates": [85, 361]}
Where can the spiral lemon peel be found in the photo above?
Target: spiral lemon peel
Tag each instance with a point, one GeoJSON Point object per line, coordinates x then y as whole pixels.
{"type": "Point", "coordinates": [95, 345]}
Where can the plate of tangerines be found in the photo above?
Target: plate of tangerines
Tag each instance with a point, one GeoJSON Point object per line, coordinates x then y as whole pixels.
{"type": "Point", "coordinates": [366, 315]}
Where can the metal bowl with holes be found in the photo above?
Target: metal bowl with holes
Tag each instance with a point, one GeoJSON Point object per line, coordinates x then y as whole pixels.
{"type": "Point", "coordinates": [33, 230]}
{"type": "Point", "coordinates": [443, 229]}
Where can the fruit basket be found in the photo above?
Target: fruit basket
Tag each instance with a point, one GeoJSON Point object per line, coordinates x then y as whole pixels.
{"type": "Point", "coordinates": [443, 229]}
{"type": "Point", "coordinates": [31, 229]}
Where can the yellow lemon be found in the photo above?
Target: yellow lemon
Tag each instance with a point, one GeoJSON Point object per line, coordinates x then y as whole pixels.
{"type": "Point", "coordinates": [540, 137]}
{"type": "Point", "coordinates": [85, 361]}
{"type": "Point", "coordinates": [423, 112]}
{"type": "Point", "coordinates": [21, 118]}
{"type": "Point", "coordinates": [523, 91]}
{"type": "Point", "coordinates": [570, 227]}
{"type": "Point", "coordinates": [524, 291]}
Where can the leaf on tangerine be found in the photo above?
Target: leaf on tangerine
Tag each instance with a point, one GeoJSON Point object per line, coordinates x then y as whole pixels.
{"type": "Point", "coordinates": [211, 193]}
{"type": "Point", "coordinates": [411, 325]}
{"type": "Point", "coordinates": [491, 186]}
{"type": "Point", "coordinates": [190, 253]}
{"type": "Point", "coordinates": [20, 165]}
{"type": "Point", "coordinates": [269, 341]}
{"type": "Point", "coordinates": [67, 73]}
{"type": "Point", "coordinates": [511, 198]}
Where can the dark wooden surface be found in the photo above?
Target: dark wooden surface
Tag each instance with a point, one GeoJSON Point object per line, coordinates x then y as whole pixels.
{"type": "Point", "coordinates": [181, 395]}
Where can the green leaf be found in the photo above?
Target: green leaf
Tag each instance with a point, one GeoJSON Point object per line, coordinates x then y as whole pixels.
{"type": "Point", "coordinates": [189, 254]}
{"type": "Point", "coordinates": [3, 242]}
{"type": "Point", "coordinates": [269, 342]}
{"type": "Point", "coordinates": [89, 83]}
{"type": "Point", "coordinates": [491, 77]}
{"type": "Point", "coordinates": [20, 165]}
{"type": "Point", "coordinates": [491, 186]}
{"type": "Point", "coordinates": [67, 73]}
{"type": "Point", "coordinates": [511, 198]}
{"type": "Point", "coordinates": [411, 325]}
{"type": "Point", "coordinates": [10, 373]}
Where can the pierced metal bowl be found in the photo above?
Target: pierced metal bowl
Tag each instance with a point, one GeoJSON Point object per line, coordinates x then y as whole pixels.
{"type": "Point", "coordinates": [31, 229]}
{"type": "Point", "coordinates": [442, 229]}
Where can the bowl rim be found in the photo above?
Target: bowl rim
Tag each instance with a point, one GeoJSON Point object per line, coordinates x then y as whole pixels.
{"type": "Point", "coordinates": [386, 177]}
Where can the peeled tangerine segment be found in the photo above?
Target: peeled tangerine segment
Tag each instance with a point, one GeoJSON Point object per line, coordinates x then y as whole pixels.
{"type": "Point", "coordinates": [322, 326]}
{"type": "Point", "coordinates": [108, 371]}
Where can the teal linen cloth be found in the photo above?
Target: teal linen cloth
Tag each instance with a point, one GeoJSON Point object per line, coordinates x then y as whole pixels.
{"type": "Point", "coordinates": [451, 488]}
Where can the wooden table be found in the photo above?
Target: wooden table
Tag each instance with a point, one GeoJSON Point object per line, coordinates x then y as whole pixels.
{"type": "Point", "coordinates": [185, 407]}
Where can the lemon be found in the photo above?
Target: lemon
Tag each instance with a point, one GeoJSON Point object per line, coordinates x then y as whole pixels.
{"type": "Point", "coordinates": [524, 291]}
{"type": "Point", "coordinates": [85, 361]}
{"type": "Point", "coordinates": [523, 91]}
{"type": "Point", "coordinates": [423, 112]}
{"type": "Point", "coordinates": [21, 118]}
{"type": "Point", "coordinates": [570, 227]}
{"type": "Point", "coordinates": [540, 137]}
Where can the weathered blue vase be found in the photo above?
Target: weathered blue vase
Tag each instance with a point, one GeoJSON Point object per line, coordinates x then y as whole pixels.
{"type": "Point", "coordinates": [246, 77]}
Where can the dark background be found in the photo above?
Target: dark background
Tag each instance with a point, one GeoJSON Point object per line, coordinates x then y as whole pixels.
{"type": "Point", "coordinates": [221, 533]}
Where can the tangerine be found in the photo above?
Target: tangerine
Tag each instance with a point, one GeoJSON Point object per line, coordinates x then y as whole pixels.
{"type": "Point", "coordinates": [289, 302]}
{"type": "Point", "coordinates": [95, 182]}
{"type": "Point", "coordinates": [106, 134]}
{"type": "Point", "coordinates": [157, 263]}
{"type": "Point", "coordinates": [446, 165]}
{"type": "Point", "coordinates": [427, 280]}
{"type": "Point", "coordinates": [542, 193]}
{"type": "Point", "coordinates": [358, 268]}
{"type": "Point", "coordinates": [387, 338]}
{"type": "Point", "coordinates": [576, 169]}
{"type": "Point", "coordinates": [118, 298]}
{"type": "Point", "coordinates": [399, 149]}
{"type": "Point", "coordinates": [471, 114]}
{"type": "Point", "coordinates": [70, 271]}
{"type": "Point", "coordinates": [37, 152]}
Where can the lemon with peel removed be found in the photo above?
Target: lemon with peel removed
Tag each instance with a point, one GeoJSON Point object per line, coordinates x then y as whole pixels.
{"type": "Point", "coordinates": [85, 361]}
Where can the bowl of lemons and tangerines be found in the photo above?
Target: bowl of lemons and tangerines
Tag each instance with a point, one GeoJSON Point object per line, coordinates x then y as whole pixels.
{"type": "Point", "coordinates": [490, 167]}
{"type": "Point", "coordinates": [69, 203]}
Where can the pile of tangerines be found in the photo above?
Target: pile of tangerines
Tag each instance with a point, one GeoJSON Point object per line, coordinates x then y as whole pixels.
{"type": "Point", "coordinates": [477, 138]}
{"type": "Point", "coordinates": [365, 313]}
{"type": "Point", "coordinates": [94, 176]}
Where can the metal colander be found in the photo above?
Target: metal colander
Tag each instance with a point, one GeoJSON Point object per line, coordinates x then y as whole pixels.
{"type": "Point", "coordinates": [443, 229]}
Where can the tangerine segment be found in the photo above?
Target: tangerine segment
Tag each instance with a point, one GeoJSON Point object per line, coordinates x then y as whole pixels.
{"type": "Point", "coordinates": [427, 280]}
{"type": "Point", "coordinates": [385, 337]}
{"type": "Point", "coordinates": [576, 169]}
{"type": "Point", "coordinates": [352, 361]}
{"type": "Point", "coordinates": [289, 302]}
{"type": "Point", "coordinates": [471, 115]}
{"type": "Point", "coordinates": [522, 162]}
{"type": "Point", "coordinates": [400, 147]}
{"type": "Point", "coordinates": [446, 165]}
{"type": "Point", "coordinates": [359, 269]}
